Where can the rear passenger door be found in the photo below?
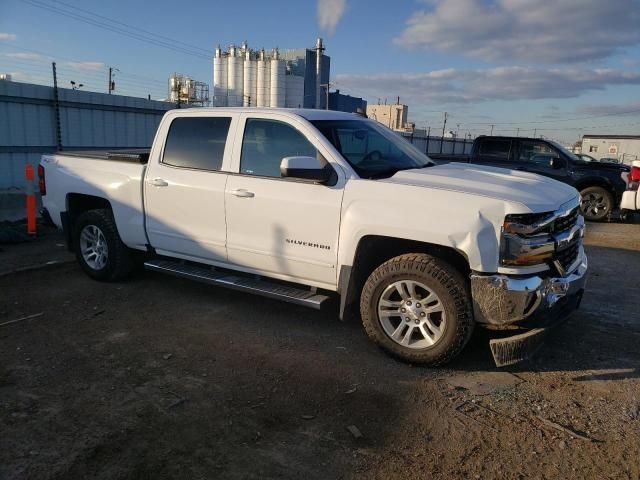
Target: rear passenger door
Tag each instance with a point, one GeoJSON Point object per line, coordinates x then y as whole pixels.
{"type": "Point", "coordinates": [496, 152]}
{"type": "Point", "coordinates": [184, 188]}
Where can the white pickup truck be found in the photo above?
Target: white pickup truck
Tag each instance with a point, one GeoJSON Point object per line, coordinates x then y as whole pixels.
{"type": "Point", "coordinates": [309, 206]}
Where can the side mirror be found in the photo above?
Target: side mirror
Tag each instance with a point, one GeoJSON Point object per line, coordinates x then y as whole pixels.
{"type": "Point", "coordinates": [557, 163]}
{"type": "Point", "coordinates": [305, 168]}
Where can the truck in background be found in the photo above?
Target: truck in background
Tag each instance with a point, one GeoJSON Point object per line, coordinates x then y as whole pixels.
{"type": "Point", "coordinates": [601, 185]}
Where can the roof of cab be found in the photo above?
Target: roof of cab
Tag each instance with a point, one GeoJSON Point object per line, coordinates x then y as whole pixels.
{"type": "Point", "coordinates": [307, 113]}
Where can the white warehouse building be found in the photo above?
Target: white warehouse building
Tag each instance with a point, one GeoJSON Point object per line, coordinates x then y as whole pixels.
{"type": "Point", "coordinates": [254, 78]}
{"type": "Point", "coordinates": [624, 148]}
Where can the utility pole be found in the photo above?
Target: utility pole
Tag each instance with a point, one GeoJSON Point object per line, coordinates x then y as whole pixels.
{"type": "Point", "coordinates": [444, 126]}
{"type": "Point", "coordinates": [492, 129]}
{"type": "Point", "coordinates": [56, 105]}
{"type": "Point", "coordinates": [112, 83]}
{"type": "Point", "coordinates": [518, 132]}
{"type": "Point", "coordinates": [535, 130]}
{"type": "Point", "coordinates": [326, 86]}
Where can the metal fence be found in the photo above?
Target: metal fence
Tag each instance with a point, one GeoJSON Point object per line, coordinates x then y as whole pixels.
{"type": "Point", "coordinates": [34, 120]}
{"type": "Point", "coordinates": [439, 145]}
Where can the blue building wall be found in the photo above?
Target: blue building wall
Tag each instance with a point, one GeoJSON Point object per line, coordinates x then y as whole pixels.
{"type": "Point", "coordinates": [346, 103]}
{"type": "Point", "coordinates": [310, 80]}
{"type": "Point", "coordinates": [87, 120]}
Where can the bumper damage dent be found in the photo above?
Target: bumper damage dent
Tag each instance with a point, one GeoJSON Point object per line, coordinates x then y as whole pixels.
{"type": "Point", "coordinates": [533, 305]}
{"type": "Point", "coordinates": [500, 300]}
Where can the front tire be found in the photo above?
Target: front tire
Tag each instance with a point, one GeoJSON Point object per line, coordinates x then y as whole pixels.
{"type": "Point", "coordinates": [417, 308]}
{"type": "Point", "coordinates": [98, 246]}
{"type": "Point", "coordinates": [597, 203]}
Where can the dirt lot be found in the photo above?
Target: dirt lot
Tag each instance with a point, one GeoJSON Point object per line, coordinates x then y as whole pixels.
{"type": "Point", "coordinates": [158, 377]}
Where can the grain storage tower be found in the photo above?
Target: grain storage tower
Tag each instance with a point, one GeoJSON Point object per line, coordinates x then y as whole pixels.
{"type": "Point", "coordinates": [281, 78]}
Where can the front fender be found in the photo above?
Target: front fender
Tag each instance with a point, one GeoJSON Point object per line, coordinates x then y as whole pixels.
{"type": "Point", "coordinates": [468, 223]}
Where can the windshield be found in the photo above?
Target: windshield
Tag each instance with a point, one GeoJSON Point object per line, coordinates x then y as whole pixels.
{"type": "Point", "coordinates": [569, 154]}
{"type": "Point", "coordinates": [371, 149]}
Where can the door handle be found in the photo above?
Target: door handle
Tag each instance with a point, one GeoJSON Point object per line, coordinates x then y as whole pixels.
{"type": "Point", "coordinates": [159, 182]}
{"type": "Point", "coordinates": [241, 192]}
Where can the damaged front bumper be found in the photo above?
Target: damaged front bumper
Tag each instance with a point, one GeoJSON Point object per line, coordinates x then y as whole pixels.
{"type": "Point", "coordinates": [530, 304]}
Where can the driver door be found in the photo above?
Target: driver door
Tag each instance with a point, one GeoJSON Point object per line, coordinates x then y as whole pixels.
{"type": "Point", "coordinates": [536, 156]}
{"type": "Point", "coordinates": [281, 227]}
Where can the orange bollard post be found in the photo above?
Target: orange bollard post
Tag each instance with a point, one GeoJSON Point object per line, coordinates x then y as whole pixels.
{"type": "Point", "coordinates": [31, 201]}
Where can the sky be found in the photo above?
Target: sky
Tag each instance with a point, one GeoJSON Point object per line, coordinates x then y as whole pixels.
{"type": "Point", "coordinates": [558, 68]}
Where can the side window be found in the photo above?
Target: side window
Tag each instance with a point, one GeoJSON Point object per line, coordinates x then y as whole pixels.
{"type": "Point", "coordinates": [593, 149]}
{"type": "Point", "coordinates": [536, 152]}
{"type": "Point", "coordinates": [267, 142]}
{"type": "Point", "coordinates": [196, 142]}
{"type": "Point", "coordinates": [495, 150]}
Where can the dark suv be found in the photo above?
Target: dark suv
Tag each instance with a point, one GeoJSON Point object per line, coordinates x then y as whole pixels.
{"type": "Point", "coordinates": [600, 184]}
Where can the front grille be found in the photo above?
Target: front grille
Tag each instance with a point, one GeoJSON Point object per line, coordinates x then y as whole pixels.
{"type": "Point", "coordinates": [568, 256]}
{"type": "Point", "coordinates": [565, 258]}
{"type": "Point", "coordinates": [567, 222]}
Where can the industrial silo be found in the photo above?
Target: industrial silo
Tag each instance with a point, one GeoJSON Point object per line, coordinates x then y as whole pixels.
{"type": "Point", "coordinates": [250, 95]}
{"type": "Point", "coordinates": [277, 87]}
{"type": "Point", "coordinates": [219, 79]}
{"type": "Point", "coordinates": [263, 80]}
{"type": "Point", "coordinates": [235, 77]}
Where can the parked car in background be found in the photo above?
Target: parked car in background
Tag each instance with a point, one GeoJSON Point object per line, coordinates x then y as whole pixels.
{"type": "Point", "coordinates": [309, 205]}
{"type": "Point", "coordinates": [601, 185]}
{"type": "Point", "coordinates": [585, 157]}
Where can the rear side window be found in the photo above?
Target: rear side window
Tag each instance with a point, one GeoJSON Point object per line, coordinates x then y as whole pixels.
{"type": "Point", "coordinates": [267, 142]}
{"type": "Point", "coordinates": [495, 149]}
{"type": "Point", "coordinates": [197, 142]}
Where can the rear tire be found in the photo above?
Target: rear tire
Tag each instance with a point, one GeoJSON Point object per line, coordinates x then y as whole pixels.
{"type": "Point", "coordinates": [597, 203]}
{"type": "Point", "coordinates": [98, 246]}
{"type": "Point", "coordinates": [424, 303]}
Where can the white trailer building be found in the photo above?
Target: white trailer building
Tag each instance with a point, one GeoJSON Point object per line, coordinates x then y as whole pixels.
{"type": "Point", "coordinates": [624, 148]}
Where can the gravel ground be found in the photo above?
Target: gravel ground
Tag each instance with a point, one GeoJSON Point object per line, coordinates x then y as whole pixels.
{"type": "Point", "coordinates": [158, 377]}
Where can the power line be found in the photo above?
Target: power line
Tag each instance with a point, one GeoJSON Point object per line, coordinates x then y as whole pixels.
{"type": "Point", "coordinates": [585, 117]}
{"type": "Point", "coordinates": [116, 29]}
{"type": "Point", "coordinates": [173, 40]}
{"type": "Point", "coordinates": [51, 57]}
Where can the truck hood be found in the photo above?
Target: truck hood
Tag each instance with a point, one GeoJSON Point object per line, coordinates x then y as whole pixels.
{"type": "Point", "coordinates": [538, 193]}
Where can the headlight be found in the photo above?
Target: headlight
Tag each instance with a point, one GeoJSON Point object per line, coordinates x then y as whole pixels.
{"type": "Point", "coordinates": [526, 240]}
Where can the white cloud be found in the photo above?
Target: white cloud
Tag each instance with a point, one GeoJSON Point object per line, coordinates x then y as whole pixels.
{"type": "Point", "coordinates": [474, 86]}
{"type": "Point", "coordinates": [329, 14]}
{"type": "Point", "coordinates": [86, 65]}
{"type": "Point", "coordinates": [536, 31]}
{"type": "Point", "coordinates": [7, 36]}
{"type": "Point", "coordinates": [26, 56]}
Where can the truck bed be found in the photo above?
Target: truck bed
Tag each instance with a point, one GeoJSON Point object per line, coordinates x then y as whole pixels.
{"type": "Point", "coordinates": [135, 155]}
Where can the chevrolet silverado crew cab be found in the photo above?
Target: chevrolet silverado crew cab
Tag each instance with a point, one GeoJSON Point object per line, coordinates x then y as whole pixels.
{"type": "Point", "coordinates": [311, 206]}
{"type": "Point", "coordinates": [601, 185]}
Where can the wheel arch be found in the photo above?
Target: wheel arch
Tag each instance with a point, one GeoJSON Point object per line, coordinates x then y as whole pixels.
{"type": "Point", "coordinates": [596, 182]}
{"type": "Point", "coordinates": [373, 250]}
{"type": "Point", "coordinates": [77, 204]}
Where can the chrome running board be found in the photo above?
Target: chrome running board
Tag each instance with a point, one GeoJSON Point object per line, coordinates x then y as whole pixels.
{"type": "Point", "coordinates": [266, 288]}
